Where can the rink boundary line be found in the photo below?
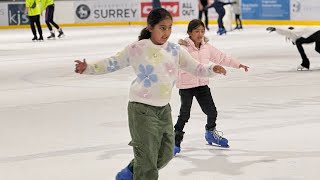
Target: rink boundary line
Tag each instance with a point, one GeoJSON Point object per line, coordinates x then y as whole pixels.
{"type": "Point", "coordinates": [245, 22]}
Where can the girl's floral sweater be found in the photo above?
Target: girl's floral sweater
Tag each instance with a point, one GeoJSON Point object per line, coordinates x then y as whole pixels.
{"type": "Point", "coordinates": [156, 68]}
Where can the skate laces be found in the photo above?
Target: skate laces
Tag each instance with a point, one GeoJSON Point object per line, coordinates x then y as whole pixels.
{"type": "Point", "coordinates": [217, 134]}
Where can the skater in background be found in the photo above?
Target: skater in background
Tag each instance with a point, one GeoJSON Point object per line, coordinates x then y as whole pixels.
{"type": "Point", "coordinates": [155, 63]}
{"type": "Point", "coordinates": [156, 4]}
{"type": "Point", "coordinates": [48, 5]}
{"type": "Point", "coordinates": [299, 37]}
{"type": "Point", "coordinates": [194, 86]}
{"type": "Point", "coordinates": [237, 11]}
{"type": "Point", "coordinates": [202, 10]}
{"type": "Point", "coordinates": [33, 11]}
{"type": "Point", "coordinates": [218, 6]}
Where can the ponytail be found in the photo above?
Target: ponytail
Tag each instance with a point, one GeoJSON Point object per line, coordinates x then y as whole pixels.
{"type": "Point", "coordinates": [144, 34]}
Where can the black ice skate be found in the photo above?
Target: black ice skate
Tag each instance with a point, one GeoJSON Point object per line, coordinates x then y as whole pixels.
{"type": "Point", "coordinates": [40, 38]}
{"type": "Point", "coordinates": [52, 35]}
{"type": "Point", "coordinates": [61, 34]}
{"type": "Point", "coordinates": [238, 28]}
{"type": "Point", "coordinates": [35, 38]}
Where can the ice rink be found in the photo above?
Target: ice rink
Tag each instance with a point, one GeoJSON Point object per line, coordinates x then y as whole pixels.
{"type": "Point", "coordinates": [59, 125]}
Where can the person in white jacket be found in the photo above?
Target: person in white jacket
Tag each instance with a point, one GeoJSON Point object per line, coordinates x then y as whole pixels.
{"type": "Point", "coordinates": [155, 62]}
{"type": "Point", "coordinates": [299, 37]}
{"type": "Point", "coordinates": [237, 11]}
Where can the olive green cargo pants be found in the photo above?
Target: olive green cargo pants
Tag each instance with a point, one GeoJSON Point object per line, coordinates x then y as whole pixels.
{"type": "Point", "coordinates": [152, 136]}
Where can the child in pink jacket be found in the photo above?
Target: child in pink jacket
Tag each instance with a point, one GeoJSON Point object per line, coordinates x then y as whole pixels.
{"type": "Point", "coordinates": [193, 86]}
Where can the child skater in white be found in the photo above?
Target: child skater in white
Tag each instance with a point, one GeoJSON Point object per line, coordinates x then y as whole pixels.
{"type": "Point", "coordinates": [155, 62]}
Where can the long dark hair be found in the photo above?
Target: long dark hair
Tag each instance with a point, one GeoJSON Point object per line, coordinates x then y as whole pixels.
{"type": "Point", "coordinates": [154, 17]}
{"type": "Point", "coordinates": [194, 24]}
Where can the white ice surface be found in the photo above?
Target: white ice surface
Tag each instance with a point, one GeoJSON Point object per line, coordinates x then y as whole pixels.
{"type": "Point", "coordinates": [59, 125]}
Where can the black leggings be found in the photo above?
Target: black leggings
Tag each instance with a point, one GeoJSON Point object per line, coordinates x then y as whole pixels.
{"type": "Point", "coordinates": [204, 3]}
{"type": "Point", "coordinates": [206, 19]}
{"type": "Point", "coordinates": [315, 37]}
{"type": "Point", "coordinates": [35, 20]}
{"type": "Point", "coordinates": [221, 12]}
{"type": "Point", "coordinates": [49, 17]}
{"type": "Point", "coordinates": [238, 20]}
{"type": "Point", "coordinates": [204, 98]}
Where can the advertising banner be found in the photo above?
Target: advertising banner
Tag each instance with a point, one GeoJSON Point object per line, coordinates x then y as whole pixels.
{"type": "Point", "coordinates": [305, 10]}
{"type": "Point", "coordinates": [107, 10]}
{"type": "Point", "coordinates": [3, 14]}
{"type": "Point", "coordinates": [16, 15]}
{"type": "Point", "coordinates": [180, 10]}
{"type": "Point", "coordinates": [266, 9]}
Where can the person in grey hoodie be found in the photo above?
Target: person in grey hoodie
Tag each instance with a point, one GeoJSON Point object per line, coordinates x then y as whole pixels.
{"type": "Point", "coordinates": [299, 37]}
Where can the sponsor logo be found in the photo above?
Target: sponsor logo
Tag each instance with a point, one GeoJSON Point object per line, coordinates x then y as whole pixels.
{"type": "Point", "coordinates": [172, 7]}
{"type": "Point", "coordinates": [83, 11]}
{"type": "Point", "coordinates": [16, 15]}
{"type": "Point", "coordinates": [295, 6]}
{"type": "Point", "coordinates": [114, 13]}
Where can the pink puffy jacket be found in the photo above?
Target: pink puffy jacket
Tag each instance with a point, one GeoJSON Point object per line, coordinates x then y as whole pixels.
{"type": "Point", "coordinates": [204, 55]}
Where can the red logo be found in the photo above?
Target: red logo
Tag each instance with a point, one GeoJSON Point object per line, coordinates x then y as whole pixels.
{"type": "Point", "coordinates": [172, 7]}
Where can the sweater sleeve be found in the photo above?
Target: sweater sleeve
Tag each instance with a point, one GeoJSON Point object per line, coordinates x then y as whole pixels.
{"type": "Point", "coordinates": [221, 58]}
{"type": "Point", "coordinates": [189, 64]}
{"type": "Point", "coordinates": [110, 64]}
{"type": "Point", "coordinates": [288, 33]}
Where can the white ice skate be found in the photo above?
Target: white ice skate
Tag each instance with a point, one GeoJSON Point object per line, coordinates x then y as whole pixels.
{"type": "Point", "coordinates": [301, 68]}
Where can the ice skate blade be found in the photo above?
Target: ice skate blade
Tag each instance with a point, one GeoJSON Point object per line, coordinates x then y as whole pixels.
{"type": "Point", "coordinates": [303, 69]}
{"type": "Point", "coordinates": [216, 145]}
{"type": "Point", "coordinates": [62, 36]}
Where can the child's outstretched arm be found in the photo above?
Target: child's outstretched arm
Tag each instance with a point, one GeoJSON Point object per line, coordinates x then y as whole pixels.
{"type": "Point", "coordinates": [291, 34]}
{"type": "Point", "coordinates": [108, 65]}
{"type": "Point", "coordinates": [189, 64]}
{"type": "Point", "coordinates": [221, 58]}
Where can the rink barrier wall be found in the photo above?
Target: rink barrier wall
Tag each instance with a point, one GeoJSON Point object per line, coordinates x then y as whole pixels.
{"type": "Point", "coordinates": [134, 12]}
{"type": "Point", "coordinates": [245, 22]}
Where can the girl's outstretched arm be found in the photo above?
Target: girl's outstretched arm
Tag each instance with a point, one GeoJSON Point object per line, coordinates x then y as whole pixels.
{"type": "Point", "coordinates": [107, 65]}
{"type": "Point", "coordinates": [189, 64]}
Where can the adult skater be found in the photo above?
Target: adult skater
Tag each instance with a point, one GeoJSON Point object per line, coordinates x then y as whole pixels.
{"type": "Point", "coordinates": [237, 12]}
{"type": "Point", "coordinates": [202, 10]}
{"type": "Point", "coordinates": [155, 63]}
{"type": "Point", "coordinates": [194, 86]}
{"type": "Point", "coordinates": [218, 6]}
{"type": "Point", "coordinates": [299, 37]}
{"type": "Point", "coordinates": [48, 5]}
{"type": "Point", "coordinates": [156, 4]}
{"type": "Point", "coordinates": [33, 11]}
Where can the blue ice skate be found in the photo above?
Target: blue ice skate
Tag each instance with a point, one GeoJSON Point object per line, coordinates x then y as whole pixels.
{"type": "Point", "coordinates": [176, 150]}
{"type": "Point", "coordinates": [124, 174]}
{"type": "Point", "coordinates": [178, 137]}
{"type": "Point", "coordinates": [221, 31]}
{"type": "Point", "coordinates": [214, 137]}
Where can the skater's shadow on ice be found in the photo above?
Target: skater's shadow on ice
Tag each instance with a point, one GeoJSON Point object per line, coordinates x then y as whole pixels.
{"type": "Point", "coordinates": [112, 150]}
{"type": "Point", "coordinates": [116, 152]}
{"type": "Point", "coordinates": [220, 163]}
